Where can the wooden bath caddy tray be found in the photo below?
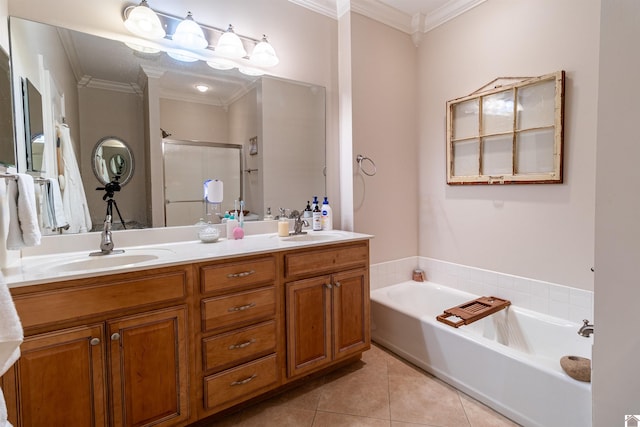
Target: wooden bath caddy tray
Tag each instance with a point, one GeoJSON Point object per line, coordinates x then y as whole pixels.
{"type": "Point", "coordinates": [474, 310]}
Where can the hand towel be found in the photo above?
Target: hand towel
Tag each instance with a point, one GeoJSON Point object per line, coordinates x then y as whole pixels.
{"type": "Point", "coordinates": [23, 216]}
{"type": "Point", "coordinates": [55, 204]}
{"type": "Point", "coordinates": [11, 336]}
{"type": "Point", "coordinates": [76, 209]}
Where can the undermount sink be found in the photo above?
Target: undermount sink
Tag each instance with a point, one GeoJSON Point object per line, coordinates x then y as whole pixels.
{"type": "Point", "coordinates": [309, 237]}
{"type": "Point", "coordinates": [85, 262]}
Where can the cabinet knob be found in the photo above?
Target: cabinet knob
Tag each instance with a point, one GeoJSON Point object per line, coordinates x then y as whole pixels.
{"type": "Point", "coordinates": [94, 341]}
{"type": "Point", "coordinates": [338, 284]}
{"type": "Point", "coordinates": [328, 285]}
{"type": "Point", "coordinates": [115, 337]}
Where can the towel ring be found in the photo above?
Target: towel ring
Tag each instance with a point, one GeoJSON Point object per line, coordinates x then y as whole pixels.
{"type": "Point", "coordinates": [360, 158]}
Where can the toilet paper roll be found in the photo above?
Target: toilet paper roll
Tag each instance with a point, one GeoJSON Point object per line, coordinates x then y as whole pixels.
{"type": "Point", "coordinates": [214, 191]}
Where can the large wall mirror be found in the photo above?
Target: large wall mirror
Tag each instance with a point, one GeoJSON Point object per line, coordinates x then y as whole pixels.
{"type": "Point", "coordinates": [7, 146]}
{"type": "Point", "coordinates": [102, 87]}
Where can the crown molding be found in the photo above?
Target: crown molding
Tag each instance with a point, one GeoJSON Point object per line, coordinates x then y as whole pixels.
{"type": "Point", "coordinates": [418, 23]}
{"type": "Point", "coordinates": [447, 12]}
{"type": "Point", "coordinates": [323, 7]}
{"type": "Point", "coordinates": [91, 82]}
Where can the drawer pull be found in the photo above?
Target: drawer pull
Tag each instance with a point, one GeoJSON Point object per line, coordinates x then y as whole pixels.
{"type": "Point", "coordinates": [244, 381]}
{"type": "Point", "coordinates": [242, 307]}
{"type": "Point", "coordinates": [243, 274]}
{"type": "Point", "coordinates": [242, 345]}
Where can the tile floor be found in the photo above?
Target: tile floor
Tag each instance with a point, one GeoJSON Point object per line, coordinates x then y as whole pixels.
{"type": "Point", "coordinates": [380, 390]}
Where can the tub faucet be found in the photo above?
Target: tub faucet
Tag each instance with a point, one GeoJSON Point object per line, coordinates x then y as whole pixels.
{"type": "Point", "coordinates": [586, 329]}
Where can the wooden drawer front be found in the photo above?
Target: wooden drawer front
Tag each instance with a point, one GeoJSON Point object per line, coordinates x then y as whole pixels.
{"type": "Point", "coordinates": [65, 304]}
{"type": "Point", "coordinates": [329, 260]}
{"type": "Point", "coordinates": [233, 275]}
{"type": "Point", "coordinates": [222, 351]}
{"type": "Point", "coordinates": [238, 308]}
{"type": "Point", "coordinates": [241, 383]}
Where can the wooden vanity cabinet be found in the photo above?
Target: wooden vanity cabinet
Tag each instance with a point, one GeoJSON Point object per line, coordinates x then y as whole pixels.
{"type": "Point", "coordinates": [327, 306]}
{"type": "Point", "coordinates": [127, 367]}
{"type": "Point", "coordinates": [171, 346]}
{"type": "Point", "coordinates": [238, 332]}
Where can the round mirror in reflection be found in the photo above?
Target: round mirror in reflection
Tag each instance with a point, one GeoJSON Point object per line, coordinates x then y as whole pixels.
{"type": "Point", "coordinates": [112, 160]}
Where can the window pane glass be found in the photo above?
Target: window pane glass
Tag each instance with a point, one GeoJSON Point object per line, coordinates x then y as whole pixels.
{"type": "Point", "coordinates": [497, 112]}
{"type": "Point", "coordinates": [535, 151]}
{"type": "Point", "coordinates": [466, 157]}
{"type": "Point", "coordinates": [497, 155]}
{"type": "Point", "coordinates": [465, 119]}
{"type": "Point", "coordinates": [536, 105]}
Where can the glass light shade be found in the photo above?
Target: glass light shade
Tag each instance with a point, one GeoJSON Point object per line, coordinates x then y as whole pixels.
{"type": "Point", "coordinates": [141, 48]}
{"type": "Point", "coordinates": [250, 71]}
{"type": "Point", "coordinates": [189, 35]}
{"type": "Point", "coordinates": [182, 55]}
{"type": "Point", "coordinates": [264, 55]}
{"type": "Point", "coordinates": [230, 45]}
{"type": "Point", "coordinates": [221, 64]}
{"type": "Point", "coordinates": [143, 21]}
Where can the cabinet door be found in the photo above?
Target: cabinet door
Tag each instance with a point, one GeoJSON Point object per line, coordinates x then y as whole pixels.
{"type": "Point", "coordinates": [61, 380]}
{"type": "Point", "coordinates": [308, 304]}
{"type": "Point", "coordinates": [149, 368]}
{"type": "Point", "coordinates": [352, 332]}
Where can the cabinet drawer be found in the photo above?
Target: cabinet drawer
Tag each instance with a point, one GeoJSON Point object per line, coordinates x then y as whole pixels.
{"type": "Point", "coordinates": [238, 308]}
{"type": "Point", "coordinates": [116, 294]}
{"type": "Point", "coordinates": [241, 383]}
{"type": "Point", "coordinates": [328, 260]}
{"type": "Point", "coordinates": [232, 275]}
{"type": "Point", "coordinates": [238, 346]}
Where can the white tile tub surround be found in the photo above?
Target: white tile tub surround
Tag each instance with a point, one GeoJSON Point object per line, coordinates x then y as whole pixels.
{"type": "Point", "coordinates": [549, 298]}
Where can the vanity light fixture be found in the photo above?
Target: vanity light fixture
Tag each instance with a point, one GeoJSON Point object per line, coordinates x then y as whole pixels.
{"type": "Point", "coordinates": [189, 35]}
{"type": "Point", "coordinates": [230, 45]}
{"type": "Point", "coordinates": [190, 41]}
{"type": "Point", "coordinates": [263, 54]}
{"type": "Point", "coordinates": [143, 21]}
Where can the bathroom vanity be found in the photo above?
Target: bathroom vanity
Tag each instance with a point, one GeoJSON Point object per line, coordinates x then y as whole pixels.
{"type": "Point", "coordinates": [170, 341]}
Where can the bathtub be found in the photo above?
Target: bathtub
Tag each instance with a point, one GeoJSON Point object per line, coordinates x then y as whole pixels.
{"type": "Point", "coordinates": [510, 360]}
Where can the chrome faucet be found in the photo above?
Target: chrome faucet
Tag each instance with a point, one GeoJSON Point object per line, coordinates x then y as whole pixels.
{"type": "Point", "coordinates": [586, 329]}
{"type": "Point", "coordinates": [106, 242]}
{"type": "Point", "coordinates": [299, 222]}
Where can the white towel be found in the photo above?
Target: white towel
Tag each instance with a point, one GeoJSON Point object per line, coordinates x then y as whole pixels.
{"type": "Point", "coordinates": [55, 207]}
{"type": "Point", "coordinates": [11, 336]}
{"type": "Point", "coordinates": [76, 209]}
{"type": "Point", "coordinates": [23, 216]}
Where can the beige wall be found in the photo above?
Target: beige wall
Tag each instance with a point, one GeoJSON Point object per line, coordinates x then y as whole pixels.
{"type": "Point", "coordinates": [538, 231]}
{"type": "Point", "coordinates": [385, 123]}
{"type": "Point", "coordinates": [193, 121]}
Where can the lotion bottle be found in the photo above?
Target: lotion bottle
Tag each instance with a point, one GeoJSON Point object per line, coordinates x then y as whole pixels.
{"type": "Point", "coordinates": [327, 216]}
{"type": "Point", "coordinates": [316, 218]}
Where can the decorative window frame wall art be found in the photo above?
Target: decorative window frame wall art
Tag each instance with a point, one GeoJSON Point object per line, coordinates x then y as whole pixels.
{"type": "Point", "coordinates": [508, 134]}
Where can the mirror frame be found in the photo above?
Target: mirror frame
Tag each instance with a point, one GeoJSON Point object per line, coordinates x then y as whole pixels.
{"type": "Point", "coordinates": [123, 179]}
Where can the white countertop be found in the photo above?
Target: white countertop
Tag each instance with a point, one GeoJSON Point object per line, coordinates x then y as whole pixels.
{"type": "Point", "coordinates": [32, 270]}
